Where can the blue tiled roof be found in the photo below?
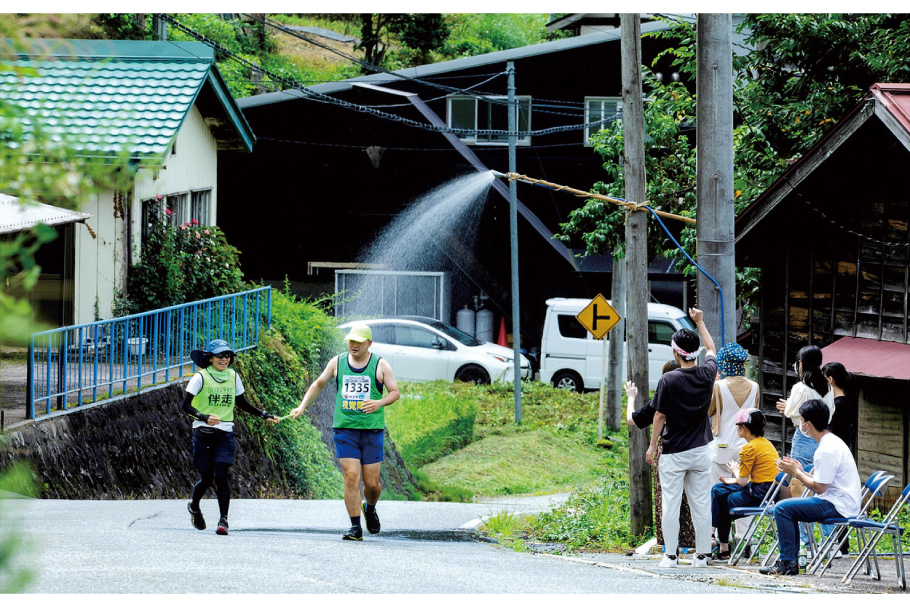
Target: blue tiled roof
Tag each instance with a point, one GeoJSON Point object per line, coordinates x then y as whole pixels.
{"type": "Point", "coordinates": [110, 96]}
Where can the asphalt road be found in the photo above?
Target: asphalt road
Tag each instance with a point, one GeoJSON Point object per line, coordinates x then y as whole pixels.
{"type": "Point", "coordinates": [290, 546]}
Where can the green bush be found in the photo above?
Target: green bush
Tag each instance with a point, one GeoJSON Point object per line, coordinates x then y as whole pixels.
{"type": "Point", "coordinates": [431, 424]}
{"type": "Point", "coordinates": [308, 329]}
{"type": "Point", "coordinates": [275, 379]}
{"type": "Point", "coordinates": [181, 263]}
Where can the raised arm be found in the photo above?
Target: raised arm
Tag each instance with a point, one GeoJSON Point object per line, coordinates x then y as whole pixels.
{"type": "Point", "coordinates": [697, 317]}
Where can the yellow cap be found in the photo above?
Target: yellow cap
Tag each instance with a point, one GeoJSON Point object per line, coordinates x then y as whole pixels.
{"type": "Point", "coordinates": [359, 333]}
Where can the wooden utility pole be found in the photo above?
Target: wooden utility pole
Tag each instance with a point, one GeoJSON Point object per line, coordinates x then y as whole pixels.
{"type": "Point", "coordinates": [714, 173]}
{"type": "Point", "coordinates": [615, 347]}
{"type": "Point", "coordinates": [636, 265]}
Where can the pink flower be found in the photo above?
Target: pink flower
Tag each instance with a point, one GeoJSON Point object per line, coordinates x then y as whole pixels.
{"type": "Point", "coordinates": [158, 197]}
{"type": "Point", "coordinates": [194, 221]}
{"type": "Point", "coordinates": [168, 211]}
{"type": "Point", "coordinates": [207, 232]}
{"type": "Point", "coordinates": [197, 235]}
{"type": "Point", "coordinates": [183, 226]}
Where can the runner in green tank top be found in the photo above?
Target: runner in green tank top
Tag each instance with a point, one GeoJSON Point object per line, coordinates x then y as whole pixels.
{"type": "Point", "coordinates": [358, 422]}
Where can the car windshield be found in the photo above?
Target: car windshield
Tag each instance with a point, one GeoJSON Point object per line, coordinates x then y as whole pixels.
{"type": "Point", "coordinates": [686, 323]}
{"type": "Point", "coordinates": [454, 333]}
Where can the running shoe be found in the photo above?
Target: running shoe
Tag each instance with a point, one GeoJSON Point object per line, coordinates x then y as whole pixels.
{"type": "Point", "coordinates": [701, 560]}
{"type": "Point", "coordinates": [354, 533]}
{"type": "Point", "coordinates": [222, 526]}
{"type": "Point", "coordinates": [372, 519]}
{"type": "Point", "coordinates": [196, 517]}
{"type": "Point", "coordinates": [668, 562]}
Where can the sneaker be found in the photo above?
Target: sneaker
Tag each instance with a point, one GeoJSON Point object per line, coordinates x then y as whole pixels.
{"type": "Point", "coordinates": [196, 517]}
{"type": "Point", "coordinates": [723, 555]}
{"type": "Point", "coordinates": [371, 519]}
{"type": "Point", "coordinates": [781, 568]}
{"type": "Point", "coordinates": [222, 526]}
{"type": "Point", "coordinates": [701, 560]}
{"type": "Point", "coordinates": [668, 562]}
{"type": "Point", "coordinates": [354, 533]}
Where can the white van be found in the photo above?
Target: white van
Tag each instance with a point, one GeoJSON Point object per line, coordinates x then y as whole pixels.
{"type": "Point", "coordinates": [571, 358]}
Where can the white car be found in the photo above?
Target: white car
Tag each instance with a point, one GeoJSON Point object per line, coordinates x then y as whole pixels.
{"type": "Point", "coordinates": [423, 349]}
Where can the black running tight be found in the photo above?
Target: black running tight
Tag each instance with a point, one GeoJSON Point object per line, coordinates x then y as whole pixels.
{"type": "Point", "coordinates": [218, 477]}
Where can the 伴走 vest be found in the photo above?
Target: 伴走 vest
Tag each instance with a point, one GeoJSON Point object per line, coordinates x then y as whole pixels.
{"type": "Point", "coordinates": [217, 394]}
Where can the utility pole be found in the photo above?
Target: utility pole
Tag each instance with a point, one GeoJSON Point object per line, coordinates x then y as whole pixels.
{"type": "Point", "coordinates": [615, 346]}
{"type": "Point", "coordinates": [160, 27]}
{"type": "Point", "coordinates": [714, 173]}
{"type": "Point", "coordinates": [636, 265]}
{"type": "Point", "coordinates": [513, 239]}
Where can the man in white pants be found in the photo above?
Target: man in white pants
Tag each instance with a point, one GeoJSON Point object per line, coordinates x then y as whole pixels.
{"type": "Point", "coordinates": [681, 402]}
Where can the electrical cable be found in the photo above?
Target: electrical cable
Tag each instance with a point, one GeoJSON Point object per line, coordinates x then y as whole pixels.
{"type": "Point", "coordinates": [322, 98]}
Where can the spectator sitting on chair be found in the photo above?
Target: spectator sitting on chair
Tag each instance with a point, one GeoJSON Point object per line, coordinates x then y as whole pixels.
{"type": "Point", "coordinates": [752, 476]}
{"type": "Point", "coordinates": [834, 480]}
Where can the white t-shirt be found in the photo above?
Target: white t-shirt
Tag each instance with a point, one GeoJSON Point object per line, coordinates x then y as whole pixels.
{"type": "Point", "coordinates": [195, 386]}
{"type": "Point", "coordinates": [800, 394]}
{"type": "Point", "coordinates": [834, 466]}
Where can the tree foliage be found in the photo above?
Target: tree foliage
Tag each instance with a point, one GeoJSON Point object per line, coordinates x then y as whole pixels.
{"type": "Point", "coordinates": [806, 73]}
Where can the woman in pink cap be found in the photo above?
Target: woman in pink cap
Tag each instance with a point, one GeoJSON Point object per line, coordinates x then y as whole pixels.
{"type": "Point", "coordinates": [752, 476]}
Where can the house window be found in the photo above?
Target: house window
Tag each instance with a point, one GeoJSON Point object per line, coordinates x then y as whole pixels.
{"type": "Point", "coordinates": [488, 113]}
{"type": "Point", "coordinates": [200, 206]}
{"type": "Point", "coordinates": [600, 108]}
{"type": "Point", "coordinates": [176, 204]}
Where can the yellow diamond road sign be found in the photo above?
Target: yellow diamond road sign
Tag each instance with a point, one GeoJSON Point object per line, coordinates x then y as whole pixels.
{"type": "Point", "coordinates": [598, 317]}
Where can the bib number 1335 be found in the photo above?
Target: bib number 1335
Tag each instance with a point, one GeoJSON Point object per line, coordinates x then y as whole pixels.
{"type": "Point", "coordinates": [354, 390]}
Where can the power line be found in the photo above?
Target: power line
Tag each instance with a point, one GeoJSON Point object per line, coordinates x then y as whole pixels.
{"type": "Point", "coordinates": [310, 94]}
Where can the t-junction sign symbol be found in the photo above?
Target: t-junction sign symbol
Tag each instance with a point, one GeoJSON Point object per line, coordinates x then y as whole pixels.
{"type": "Point", "coordinates": [598, 317]}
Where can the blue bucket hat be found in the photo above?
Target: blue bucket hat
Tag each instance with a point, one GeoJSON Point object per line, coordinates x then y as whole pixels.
{"type": "Point", "coordinates": [216, 346]}
{"type": "Point", "coordinates": [731, 360]}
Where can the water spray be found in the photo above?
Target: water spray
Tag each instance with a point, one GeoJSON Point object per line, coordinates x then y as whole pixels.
{"type": "Point", "coordinates": [629, 206]}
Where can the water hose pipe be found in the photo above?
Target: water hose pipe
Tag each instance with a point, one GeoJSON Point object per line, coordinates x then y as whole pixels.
{"type": "Point", "coordinates": [630, 206]}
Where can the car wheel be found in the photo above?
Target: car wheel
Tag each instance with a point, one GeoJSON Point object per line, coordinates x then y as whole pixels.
{"type": "Point", "coordinates": [474, 374]}
{"type": "Point", "coordinates": [568, 380]}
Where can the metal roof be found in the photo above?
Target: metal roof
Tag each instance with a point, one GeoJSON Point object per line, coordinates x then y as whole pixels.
{"type": "Point", "coordinates": [896, 99]}
{"type": "Point", "coordinates": [870, 357]}
{"type": "Point", "coordinates": [112, 96]}
{"type": "Point", "coordinates": [16, 215]}
{"type": "Point", "coordinates": [425, 71]}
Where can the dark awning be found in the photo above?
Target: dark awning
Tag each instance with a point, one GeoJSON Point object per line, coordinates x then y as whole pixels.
{"type": "Point", "coordinates": [870, 357]}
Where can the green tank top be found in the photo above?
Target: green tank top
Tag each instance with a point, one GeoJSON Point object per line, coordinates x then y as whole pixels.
{"type": "Point", "coordinates": [217, 394]}
{"type": "Point", "coordinates": [354, 388]}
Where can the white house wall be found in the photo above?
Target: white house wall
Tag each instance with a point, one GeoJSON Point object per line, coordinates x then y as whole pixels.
{"type": "Point", "coordinates": [194, 166]}
{"type": "Point", "coordinates": [101, 262]}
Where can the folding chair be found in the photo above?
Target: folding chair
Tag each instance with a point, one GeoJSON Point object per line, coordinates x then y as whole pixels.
{"type": "Point", "coordinates": [807, 526]}
{"type": "Point", "coordinates": [874, 487]}
{"type": "Point", "coordinates": [890, 526]}
{"type": "Point", "coordinates": [765, 510]}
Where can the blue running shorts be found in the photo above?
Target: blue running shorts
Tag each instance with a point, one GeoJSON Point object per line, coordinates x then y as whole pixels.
{"type": "Point", "coordinates": [364, 445]}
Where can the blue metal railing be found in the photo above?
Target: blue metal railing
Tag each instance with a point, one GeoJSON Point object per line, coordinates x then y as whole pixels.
{"type": "Point", "coordinates": [71, 364]}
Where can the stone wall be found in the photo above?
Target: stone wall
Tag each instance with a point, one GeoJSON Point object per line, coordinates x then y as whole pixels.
{"type": "Point", "coordinates": [140, 447]}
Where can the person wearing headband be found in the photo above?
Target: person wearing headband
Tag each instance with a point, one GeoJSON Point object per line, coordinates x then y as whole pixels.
{"type": "Point", "coordinates": [681, 404]}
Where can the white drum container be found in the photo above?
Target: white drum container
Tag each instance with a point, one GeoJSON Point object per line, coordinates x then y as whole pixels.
{"type": "Point", "coordinates": [464, 320]}
{"type": "Point", "coordinates": [484, 327]}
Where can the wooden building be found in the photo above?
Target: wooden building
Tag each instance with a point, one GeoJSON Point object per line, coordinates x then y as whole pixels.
{"type": "Point", "coordinates": [319, 167]}
{"type": "Point", "coordinates": [831, 238]}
